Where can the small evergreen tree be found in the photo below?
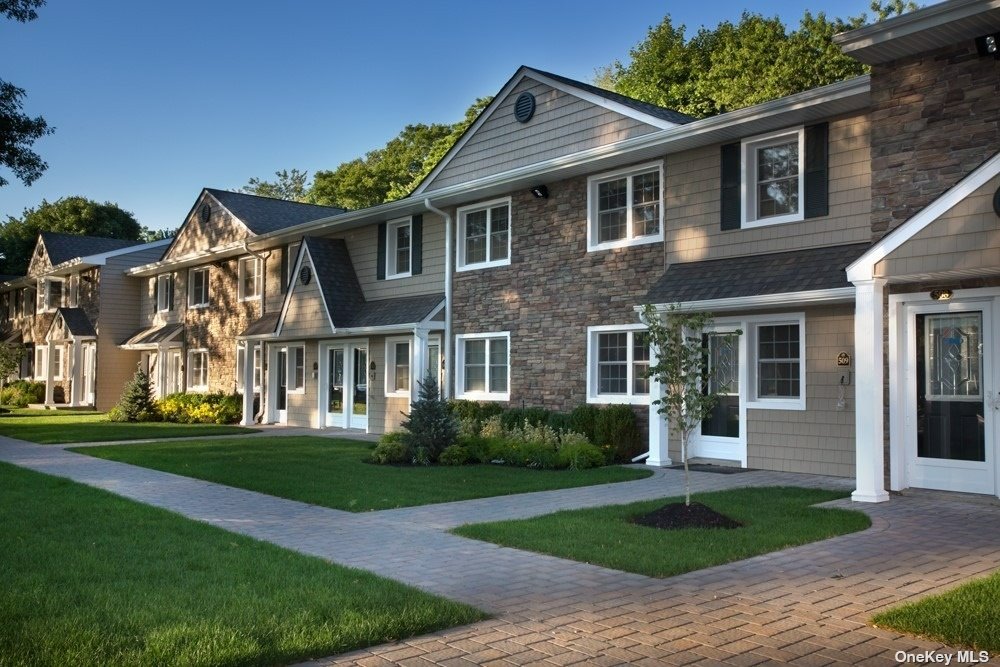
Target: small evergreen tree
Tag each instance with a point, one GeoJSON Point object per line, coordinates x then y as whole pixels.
{"type": "Point", "coordinates": [136, 403]}
{"type": "Point", "coordinates": [430, 426]}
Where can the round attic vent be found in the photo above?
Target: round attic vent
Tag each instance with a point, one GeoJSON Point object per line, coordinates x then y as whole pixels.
{"type": "Point", "coordinates": [206, 212]}
{"type": "Point", "coordinates": [996, 202]}
{"type": "Point", "coordinates": [524, 107]}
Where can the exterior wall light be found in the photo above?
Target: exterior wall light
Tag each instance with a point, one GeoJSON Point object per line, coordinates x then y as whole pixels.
{"type": "Point", "coordinates": [941, 294]}
{"type": "Point", "coordinates": [540, 192]}
{"type": "Point", "coordinates": [989, 45]}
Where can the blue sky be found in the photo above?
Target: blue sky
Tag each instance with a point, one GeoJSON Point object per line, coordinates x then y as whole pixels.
{"type": "Point", "coordinates": [153, 101]}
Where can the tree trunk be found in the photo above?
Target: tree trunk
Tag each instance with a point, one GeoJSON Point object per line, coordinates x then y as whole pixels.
{"type": "Point", "coordinates": [687, 472]}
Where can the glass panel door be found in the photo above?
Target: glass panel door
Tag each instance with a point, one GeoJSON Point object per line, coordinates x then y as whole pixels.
{"type": "Point", "coordinates": [359, 401]}
{"type": "Point", "coordinates": [336, 398]}
{"type": "Point", "coordinates": [281, 400]}
{"type": "Point", "coordinates": [724, 378]}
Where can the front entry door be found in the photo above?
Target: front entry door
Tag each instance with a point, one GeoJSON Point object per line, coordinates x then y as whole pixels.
{"type": "Point", "coordinates": [89, 369]}
{"type": "Point", "coordinates": [954, 400]}
{"type": "Point", "coordinates": [175, 371]}
{"type": "Point", "coordinates": [281, 385]}
{"type": "Point", "coordinates": [346, 391]}
{"type": "Point", "coordinates": [722, 434]}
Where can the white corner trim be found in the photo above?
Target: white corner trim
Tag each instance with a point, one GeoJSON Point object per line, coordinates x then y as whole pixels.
{"type": "Point", "coordinates": [784, 299]}
{"type": "Point", "coordinates": [863, 268]}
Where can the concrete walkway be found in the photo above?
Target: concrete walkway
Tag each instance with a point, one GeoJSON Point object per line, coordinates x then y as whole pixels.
{"type": "Point", "coordinates": [806, 605]}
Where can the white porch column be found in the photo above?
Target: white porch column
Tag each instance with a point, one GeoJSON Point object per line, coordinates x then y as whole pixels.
{"type": "Point", "coordinates": [49, 375]}
{"type": "Point", "coordinates": [76, 375]}
{"type": "Point", "coordinates": [659, 430]}
{"type": "Point", "coordinates": [248, 382]}
{"type": "Point", "coordinates": [162, 371]}
{"type": "Point", "coordinates": [869, 438]}
{"type": "Point", "coordinates": [418, 362]}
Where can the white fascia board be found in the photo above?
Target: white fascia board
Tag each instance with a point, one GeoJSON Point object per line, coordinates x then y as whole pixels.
{"type": "Point", "coordinates": [910, 23]}
{"type": "Point", "coordinates": [863, 268]}
{"type": "Point", "coordinates": [192, 259]}
{"type": "Point", "coordinates": [783, 300]}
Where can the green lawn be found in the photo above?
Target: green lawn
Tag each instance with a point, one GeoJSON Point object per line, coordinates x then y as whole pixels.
{"type": "Point", "coordinates": [88, 578]}
{"type": "Point", "coordinates": [52, 427]}
{"type": "Point", "coordinates": [773, 518]}
{"type": "Point", "coordinates": [333, 472]}
{"type": "Point", "coordinates": [966, 616]}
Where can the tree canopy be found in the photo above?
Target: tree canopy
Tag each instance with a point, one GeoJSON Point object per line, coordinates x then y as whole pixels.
{"type": "Point", "coordinates": [736, 65]}
{"type": "Point", "coordinates": [18, 131]}
{"type": "Point", "coordinates": [290, 185]}
{"type": "Point", "coordinates": [69, 215]}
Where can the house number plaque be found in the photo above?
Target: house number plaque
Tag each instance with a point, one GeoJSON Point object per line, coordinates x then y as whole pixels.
{"type": "Point", "coordinates": [843, 359]}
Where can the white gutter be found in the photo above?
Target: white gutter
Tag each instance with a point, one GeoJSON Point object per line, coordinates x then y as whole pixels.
{"type": "Point", "coordinates": [445, 391]}
{"type": "Point", "coordinates": [784, 299]}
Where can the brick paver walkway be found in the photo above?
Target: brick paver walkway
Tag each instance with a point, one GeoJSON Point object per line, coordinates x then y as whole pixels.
{"type": "Point", "coordinates": [805, 606]}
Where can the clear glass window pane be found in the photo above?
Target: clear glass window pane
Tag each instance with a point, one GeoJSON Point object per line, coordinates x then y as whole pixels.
{"type": "Point", "coordinates": [499, 232]}
{"type": "Point", "coordinates": [778, 179]}
{"type": "Point", "coordinates": [646, 204]}
{"type": "Point", "coordinates": [475, 237]}
{"type": "Point", "coordinates": [778, 361]}
{"type": "Point", "coordinates": [298, 368]}
{"type": "Point", "coordinates": [475, 365]}
{"type": "Point", "coordinates": [498, 364]}
{"type": "Point", "coordinates": [954, 355]}
{"type": "Point", "coordinates": [402, 249]}
{"type": "Point", "coordinates": [612, 363]}
{"type": "Point", "coordinates": [612, 210]}
{"type": "Point", "coordinates": [402, 367]}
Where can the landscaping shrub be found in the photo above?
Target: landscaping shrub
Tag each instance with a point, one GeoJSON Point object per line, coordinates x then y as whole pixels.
{"type": "Point", "coordinates": [477, 447]}
{"type": "Point", "coordinates": [583, 419]}
{"type": "Point", "coordinates": [579, 455]}
{"type": "Point", "coordinates": [559, 421]}
{"type": "Point", "coordinates": [473, 411]}
{"type": "Point", "coordinates": [430, 426]}
{"type": "Point", "coordinates": [391, 450]}
{"type": "Point", "coordinates": [20, 393]}
{"type": "Point", "coordinates": [514, 417]}
{"type": "Point", "coordinates": [615, 427]}
{"type": "Point", "coordinates": [217, 408]}
{"type": "Point", "coordinates": [492, 428]}
{"type": "Point", "coordinates": [136, 403]}
{"type": "Point", "coordinates": [454, 455]}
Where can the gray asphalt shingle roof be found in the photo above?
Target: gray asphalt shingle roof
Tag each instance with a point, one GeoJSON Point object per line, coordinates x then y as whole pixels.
{"type": "Point", "coordinates": [64, 247]}
{"type": "Point", "coordinates": [265, 324]}
{"type": "Point", "coordinates": [264, 214]}
{"type": "Point", "coordinates": [77, 323]}
{"type": "Point", "coordinates": [644, 107]}
{"type": "Point", "coordinates": [154, 335]}
{"type": "Point", "coordinates": [777, 273]}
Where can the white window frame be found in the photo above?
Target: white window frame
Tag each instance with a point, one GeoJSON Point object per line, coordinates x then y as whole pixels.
{"type": "Point", "coordinates": [462, 213]}
{"type": "Point", "coordinates": [593, 383]}
{"type": "Point", "coordinates": [486, 395]}
{"type": "Point", "coordinates": [241, 350]}
{"type": "Point", "coordinates": [290, 386]}
{"type": "Point", "coordinates": [194, 300]}
{"type": "Point", "coordinates": [163, 304]}
{"type": "Point", "coordinates": [593, 233]}
{"type": "Point", "coordinates": [41, 362]}
{"type": "Point", "coordinates": [751, 328]}
{"type": "Point", "coordinates": [748, 178]}
{"type": "Point", "coordinates": [191, 386]}
{"type": "Point", "coordinates": [241, 274]}
{"type": "Point", "coordinates": [391, 271]}
{"type": "Point", "coordinates": [43, 294]}
{"type": "Point", "coordinates": [390, 366]}
{"type": "Point", "coordinates": [57, 362]}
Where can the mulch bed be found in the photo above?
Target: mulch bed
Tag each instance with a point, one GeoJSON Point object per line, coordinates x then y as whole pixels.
{"type": "Point", "coordinates": [678, 515]}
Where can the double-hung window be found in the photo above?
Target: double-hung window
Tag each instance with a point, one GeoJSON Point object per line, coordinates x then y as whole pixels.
{"type": "Point", "coordinates": [397, 364]}
{"type": "Point", "coordinates": [50, 294]}
{"type": "Point", "coordinates": [165, 292]}
{"type": "Point", "coordinates": [484, 235]}
{"type": "Point", "coordinates": [625, 207]}
{"type": "Point", "coordinates": [198, 288]}
{"type": "Point", "coordinates": [778, 369]}
{"type": "Point", "coordinates": [249, 278]}
{"type": "Point", "coordinates": [618, 364]}
{"type": "Point", "coordinates": [297, 369]}
{"type": "Point", "coordinates": [197, 379]}
{"type": "Point", "coordinates": [773, 183]}
{"type": "Point", "coordinates": [400, 245]}
{"type": "Point", "coordinates": [57, 363]}
{"type": "Point", "coordinates": [484, 366]}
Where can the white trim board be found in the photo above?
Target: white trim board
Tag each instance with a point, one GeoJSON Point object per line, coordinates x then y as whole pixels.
{"type": "Point", "coordinates": [782, 300]}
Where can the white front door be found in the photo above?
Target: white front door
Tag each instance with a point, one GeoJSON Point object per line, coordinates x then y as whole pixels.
{"type": "Point", "coordinates": [280, 385]}
{"type": "Point", "coordinates": [89, 372]}
{"type": "Point", "coordinates": [723, 435]}
{"type": "Point", "coordinates": [951, 396]}
{"type": "Point", "coordinates": [175, 371]}
{"type": "Point", "coordinates": [344, 391]}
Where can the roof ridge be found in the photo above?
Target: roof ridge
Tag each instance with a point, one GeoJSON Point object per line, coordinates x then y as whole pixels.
{"type": "Point", "coordinates": [276, 199]}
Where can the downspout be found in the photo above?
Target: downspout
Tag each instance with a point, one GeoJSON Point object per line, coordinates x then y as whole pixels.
{"type": "Point", "coordinates": [446, 390]}
{"type": "Point", "coordinates": [259, 417]}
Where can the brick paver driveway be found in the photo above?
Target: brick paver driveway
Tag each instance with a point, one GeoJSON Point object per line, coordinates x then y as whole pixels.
{"type": "Point", "coordinates": [805, 606]}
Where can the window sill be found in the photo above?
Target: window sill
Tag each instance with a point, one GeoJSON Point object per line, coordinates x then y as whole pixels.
{"type": "Point", "coordinates": [626, 243]}
{"type": "Point", "coordinates": [482, 265]}
{"type": "Point", "coordinates": [397, 394]}
{"type": "Point", "coordinates": [197, 306]}
{"type": "Point", "coordinates": [397, 276]}
{"type": "Point", "coordinates": [483, 396]}
{"type": "Point", "coordinates": [249, 298]}
{"type": "Point", "coordinates": [775, 220]}
{"type": "Point", "coordinates": [777, 404]}
{"type": "Point", "coordinates": [618, 399]}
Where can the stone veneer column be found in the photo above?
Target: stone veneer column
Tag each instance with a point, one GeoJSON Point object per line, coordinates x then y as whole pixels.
{"type": "Point", "coordinates": [868, 414]}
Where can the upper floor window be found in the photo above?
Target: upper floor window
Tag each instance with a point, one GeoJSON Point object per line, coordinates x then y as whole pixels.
{"type": "Point", "coordinates": [50, 294]}
{"type": "Point", "coordinates": [30, 301]}
{"type": "Point", "coordinates": [484, 235]}
{"type": "Point", "coordinates": [772, 178]}
{"type": "Point", "coordinates": [618, 364]}
{"type": "Point", "coordinates": [198, 288]}
{"type": "Point", "coordinates": [625, 207]}
{"type": "Point", "coordinates": [398, 239]}
{"type": "Point", "coordinates": [249, 278]}
{"type": "Point", "coordinates": [164, 292]}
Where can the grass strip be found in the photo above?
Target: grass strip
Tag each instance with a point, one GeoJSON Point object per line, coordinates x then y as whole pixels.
{"type": "Point", "coordinates": [88, 578]}
{"type": "Point", "coordinates": [773, 518]}
{"type": "Point", "coordinates": [332, 472]}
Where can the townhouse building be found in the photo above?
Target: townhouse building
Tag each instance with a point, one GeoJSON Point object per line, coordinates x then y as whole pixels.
{"type": "Point", "coordinates": [71, 311]}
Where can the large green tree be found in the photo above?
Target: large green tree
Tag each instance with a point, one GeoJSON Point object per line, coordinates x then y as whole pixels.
{"type": "Point", "coordinates": [735, 65]}
{"type": "Point", "coordinates": [18, 131]}
{"type": "Point", "coordinates": [291, 185]}
{"type": "Point", "coordinates": [69, 215]}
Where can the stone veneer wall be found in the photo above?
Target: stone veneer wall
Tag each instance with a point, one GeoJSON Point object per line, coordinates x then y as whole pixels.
{"type": "Point", "coordinates": [934, 119]}
{"type": "Point", "coordinates": [551, 292]}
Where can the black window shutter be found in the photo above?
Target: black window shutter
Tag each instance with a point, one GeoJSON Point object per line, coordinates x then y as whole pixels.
{"type": "Point", "coordinates": [285, 257]}
{"type": "Point", "coordinates": [730, 196]}
{"type": "Point", "coordinates": [817, 164]}
{"type": "Point", "coordinates": [170, 292]}
{"type": "Point", "coordinates": [156, 293]}
{"type": "Point", "coordinates": [380, 269]}
{"type": "Point", "coordinates": [417, 245]}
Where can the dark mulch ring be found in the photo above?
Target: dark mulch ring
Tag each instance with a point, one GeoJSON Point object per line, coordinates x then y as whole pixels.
{"type": "Point", "coordinates": [678, 515]}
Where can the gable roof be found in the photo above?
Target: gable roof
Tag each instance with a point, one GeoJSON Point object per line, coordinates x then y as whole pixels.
{"type": "Point", "coordinates": [77, 324]}
{"type": "Point", "coordinates": [64, 247]}
{"type": "Point", "coordinates": [755, 275]}
{"type": "Point", "coordinates": [150, 337]}
{"type": "Point", "coordinates": [265, 214]}
{"type": "Point", "coordinates": [655, 116]}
